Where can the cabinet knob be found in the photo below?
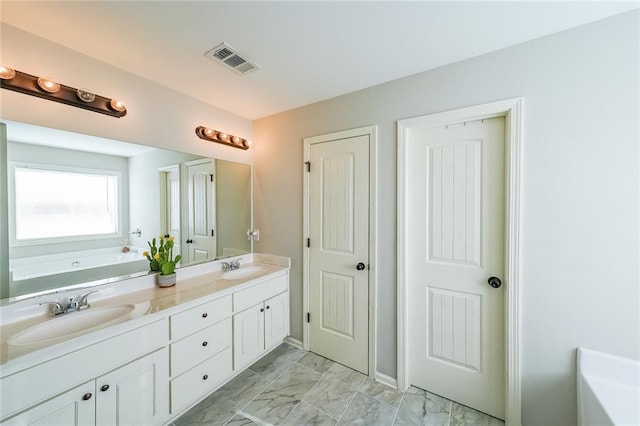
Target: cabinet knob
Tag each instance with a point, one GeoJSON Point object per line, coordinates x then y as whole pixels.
{"type": "Point", "coordinates": [205, 377]}
{"type": "Point", "coordinates": [205, 343]}
{"type": "Point", "coordinates": [261, 309]}
{"type": "Point", "coordinates": [104, 388]}
{"type": "Point", "coordinates": [204, 315]}
{"type": "Point", "coordinates": [268, 306]}
{"type": "Point", "coordinates": [87, 396]}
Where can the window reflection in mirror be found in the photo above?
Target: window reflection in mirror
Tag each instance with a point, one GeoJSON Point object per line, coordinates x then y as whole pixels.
{"type": "Point", "coordinates": [144, 189]}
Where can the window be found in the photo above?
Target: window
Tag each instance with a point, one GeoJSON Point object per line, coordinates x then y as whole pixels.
{"type": "Point", "coordinates": [55, 203]}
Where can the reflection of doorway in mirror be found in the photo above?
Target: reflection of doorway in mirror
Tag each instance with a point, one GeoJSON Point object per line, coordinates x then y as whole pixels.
{"type": "Point", "coordinates": [201, 234]}
{"type": "Point", "coordinates": [170, 205]}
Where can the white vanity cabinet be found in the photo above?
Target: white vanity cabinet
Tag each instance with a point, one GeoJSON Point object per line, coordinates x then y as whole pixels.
{"type": "Point", "coordinates": [132, 394]}
{"type": "Point", "coordinates": [155, 369]}
{"type": "Point", "coordinates": [124, 381]}
{"type": "Point", "coordinates": [73, 407]}
{"type": "Point", "coordinates": [200, 351]}
{"type": "Point", "coordinates": [260, 320]}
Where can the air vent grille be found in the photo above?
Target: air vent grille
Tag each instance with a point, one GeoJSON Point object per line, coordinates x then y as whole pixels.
{"type": "Point", "coordinates": [231, 58]}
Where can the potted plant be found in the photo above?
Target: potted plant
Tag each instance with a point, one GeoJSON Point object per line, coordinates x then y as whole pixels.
{"type": "Point", "coordinates": [161, 260]}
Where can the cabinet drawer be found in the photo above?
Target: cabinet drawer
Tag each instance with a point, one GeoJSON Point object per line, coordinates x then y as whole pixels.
{"type": "Point", "coordinates": [199, 317]}
{"type": "Point", "coordinates": [189, 387]}
{"type": "Point", "coordinates": [258, 293]}
{"type": "Point", "coordinates": [199, 346]}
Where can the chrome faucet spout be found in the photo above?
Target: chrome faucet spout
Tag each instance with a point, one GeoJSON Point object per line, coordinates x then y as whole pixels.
{"type": "Point", "coordinates": [72, 306]}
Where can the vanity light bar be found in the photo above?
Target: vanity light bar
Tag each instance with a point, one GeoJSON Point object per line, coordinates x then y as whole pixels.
{"type": "Point", "coordinates": [46, 88]}
{"type": "Point", "coordinates": [211, 135]}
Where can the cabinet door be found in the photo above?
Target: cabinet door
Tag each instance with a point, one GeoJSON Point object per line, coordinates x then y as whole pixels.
{"type": "Point", "coordinates": [248, 335]}
{"type": "Point", "coordinates": [276, 320]}
{"type": "Point", "coordinates": [74, 407]}
{"type": "Point", "coordinates": [137, 393]}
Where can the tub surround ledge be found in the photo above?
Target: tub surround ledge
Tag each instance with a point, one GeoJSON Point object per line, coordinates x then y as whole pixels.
{"type": "Point", "coordinates": [608, 389]}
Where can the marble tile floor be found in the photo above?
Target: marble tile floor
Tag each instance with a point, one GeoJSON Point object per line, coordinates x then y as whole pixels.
{"type": "Point", "coordinates": [292, 387]}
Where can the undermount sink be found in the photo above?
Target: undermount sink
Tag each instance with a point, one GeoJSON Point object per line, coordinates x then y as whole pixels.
{"type": "Point", "coordinates": [245, 272]}
{"type": "Point", "coordinates": [71, 325]}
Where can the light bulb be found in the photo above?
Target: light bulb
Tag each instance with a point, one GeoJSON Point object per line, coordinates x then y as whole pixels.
{"type": "Point", "coordinates": [85, 95]}
{"type": "Point", "coordinates": [223, 137]}
{"type": "Point", "coordinates": [7, 73]}
{"type": "Point", "coordinates": [236, 140]}
{"type": "Point", "coordinates": [117, 105]}
{"type": "Point", "coordinates": [210, 132]}
{"type": "Point", "coordinates": [48, 85]}
{"type": "Point", "coordinates": [247, 143]}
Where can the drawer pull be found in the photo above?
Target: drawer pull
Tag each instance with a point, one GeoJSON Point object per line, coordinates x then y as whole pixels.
{"type": "Point", "coordinates": [205, 343]}
{"type": "Point", "coordinates": [205, 377]}
{"type": "Point", "coordinates": [87, 396]}
{"type": "Point", "coordinates": [104, 388]}
{"type": "Point", "coordinates": [204, 315]}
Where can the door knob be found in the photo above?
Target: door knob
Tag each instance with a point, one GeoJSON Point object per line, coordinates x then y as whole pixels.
{"type": "Point", "coordinates": [360, 266]}
{"type": "Point", "coordinates": [495, 282]}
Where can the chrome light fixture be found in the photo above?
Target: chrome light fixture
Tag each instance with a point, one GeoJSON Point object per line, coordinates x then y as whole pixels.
{"type": "Point", "coordinates": [211, 135]}
{"type": "Point", "coordinates": [47, 88]}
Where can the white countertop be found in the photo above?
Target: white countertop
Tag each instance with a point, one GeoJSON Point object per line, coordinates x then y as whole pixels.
{"type": "Point", "coordinates": [193, 284]}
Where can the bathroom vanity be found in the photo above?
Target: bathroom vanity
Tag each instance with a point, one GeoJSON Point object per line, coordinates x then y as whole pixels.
{"type": "Point", "coordinates": [156, 353]}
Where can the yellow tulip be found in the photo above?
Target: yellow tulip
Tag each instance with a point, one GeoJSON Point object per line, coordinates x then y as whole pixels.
{"type": "Point", "coordinates": [171, 238]}
{"type": "Point", "coordinates": [156, 256]}
{"type": "Point", "coordinates": [145, 253]}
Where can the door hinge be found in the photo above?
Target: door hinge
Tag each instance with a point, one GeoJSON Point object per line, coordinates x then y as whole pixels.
{"type": "Point", "coordinates": [308, 164]}
{"type": "Point", "coordinates": [308, 316]}
{"type": "Point", "coordinates": [211, 178]}
{"type": "Point", "coordinates": [213, 233]}
{"type": "Point", "coordinates": [308, 242]}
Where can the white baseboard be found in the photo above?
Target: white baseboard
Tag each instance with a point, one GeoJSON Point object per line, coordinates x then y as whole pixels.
{"type": "Point", "coordinates": [386, 380]}
{"type": "Point", "coordinates": [293, 342]}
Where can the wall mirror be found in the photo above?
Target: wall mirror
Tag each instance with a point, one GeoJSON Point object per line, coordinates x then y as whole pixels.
{"type": "Point", "coordinates": [81, 209]}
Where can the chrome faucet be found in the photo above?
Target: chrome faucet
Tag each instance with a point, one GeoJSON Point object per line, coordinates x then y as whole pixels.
{"type": "Point", "coordinates": [230, 266]}
{"type": "Point", "coordinates": [75, 304]}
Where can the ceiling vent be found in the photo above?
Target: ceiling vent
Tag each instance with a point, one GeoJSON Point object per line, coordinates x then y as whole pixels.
{"type": "Point", "coordinates": [229, 57]}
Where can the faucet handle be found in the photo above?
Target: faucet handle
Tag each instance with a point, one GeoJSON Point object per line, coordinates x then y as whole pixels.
{"type": "Point", "coordinates": [56, 308]}
{"type": "Point", "coordinates": [83, 301]}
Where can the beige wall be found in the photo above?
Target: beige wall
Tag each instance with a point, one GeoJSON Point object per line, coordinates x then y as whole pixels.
{"type": "Point", "coordinates": [580, 193]}
{"type": "Point", "coordinates": [156, 115]}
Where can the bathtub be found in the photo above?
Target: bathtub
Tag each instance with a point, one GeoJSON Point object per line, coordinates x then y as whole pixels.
{"type": "Point", "coordinates": [608, 389]}
{"type": "Point", "coordinates": [39, 273]}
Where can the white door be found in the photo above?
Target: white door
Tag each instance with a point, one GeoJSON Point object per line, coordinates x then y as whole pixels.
{"type": "Point", "coordinates": [248, 335]}
{"type": "Point", "coordinates": [76, 407]}
{"type": "Point", "coordinates": [338, 243]}
{"type": "Point", "coordinates": [276, 320]}
{"type": "Point", "coordinates": [171, 206]}
{"type": "Point", "coordinates": [455, 228]}
{"type": "Point", "coordinates": [201, 238]}
{"type": "Point", "coordinates": [135, 394]}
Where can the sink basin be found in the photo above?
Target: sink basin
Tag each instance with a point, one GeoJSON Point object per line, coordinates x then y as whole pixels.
{"type": "Point", "coordinates": [245, 272]}
{"type": "Point", "coordinates": [71, 325]}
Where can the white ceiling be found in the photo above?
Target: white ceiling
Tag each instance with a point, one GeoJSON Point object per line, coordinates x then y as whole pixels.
{"type": "Point", "coordinates": [308, 51]}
